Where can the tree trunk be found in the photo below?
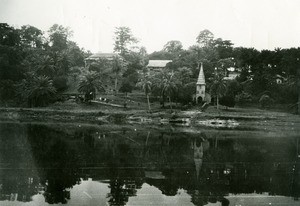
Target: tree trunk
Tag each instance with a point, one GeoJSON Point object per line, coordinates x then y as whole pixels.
{"type": "Point", "coordinates": [163, 101]}
{"type": "Point", "coordinates": [217, 102]}
{"type": "Point", "coordinates": [298, 85]}
{"type": "Point", "coordinates": [116, 85]}
{"type": "Point", "coordinates": [148, 101]}
{"type": "Point", "coordinates": [298, 103]}
{"type": "Point", "coordinates": [147, 138]}
{"type": "Point", "coordinates": [170, 103]}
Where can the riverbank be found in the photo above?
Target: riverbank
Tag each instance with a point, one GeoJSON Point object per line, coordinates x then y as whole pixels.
{"type": "Point", "coordinates": [98, 114]}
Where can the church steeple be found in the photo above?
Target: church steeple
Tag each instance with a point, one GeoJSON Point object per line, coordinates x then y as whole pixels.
{"type": "Point", "coordinates": [200, 85]}
{"type": "Point", "coordinates": [201, 77]}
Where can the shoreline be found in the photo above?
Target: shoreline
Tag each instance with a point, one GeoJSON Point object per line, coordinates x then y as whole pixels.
{"type": "Point", "coordinates": [233, 121]}
{"type": "Point", "coordinates": [117, 116]}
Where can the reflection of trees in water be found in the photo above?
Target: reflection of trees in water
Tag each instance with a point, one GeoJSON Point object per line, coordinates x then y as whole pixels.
{"type": "Point", "coordinates": [124, 172]}
{"type": "Point", "coordinates": [121, 189]}
{"type": "Point", "coordinates": [228, 165]}
{"type": "Point", "coordinates": [16, 184]}
{"type": "Point", "coordinates": [56, 161]}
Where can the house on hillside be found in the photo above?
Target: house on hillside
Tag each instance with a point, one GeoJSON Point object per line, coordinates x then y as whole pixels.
{"type": "Point", "coordinates": [107, 62]}
{"type": "Point", "coordinates": [279, 79]}
{"type": "Point", "coordinates": [99, 56]}
{"type": "Point", "coordinates": [157, 65]}
{"type": "Point", "coordinates": [232, 73]}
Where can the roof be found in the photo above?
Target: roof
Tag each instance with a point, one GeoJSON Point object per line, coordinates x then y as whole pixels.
{"type": "Point", "coordinates": [201, 77]}
{"type": "Point", "coordinates": [102, 55]}
{"type": "Point", "coordinates": [279, 76]}
{"type": "Point", "coordinates": [158, 63]}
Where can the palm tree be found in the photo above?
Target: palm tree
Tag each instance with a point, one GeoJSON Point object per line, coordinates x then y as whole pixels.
{"type": "Point", "coordinates": [36, 90]}
{"type": "Point", "coordinates": [169, 85]}
{"type": "Point", "coordinates": [117, 68]}
{"type": "Point", "coordinates": [145, 83]}
{"type": "Point", "coordinates": [166, 82]}
{"type": "Point", "coordinates": [218, 87]}
{"type": "Point", "coordinates": [89, 84]}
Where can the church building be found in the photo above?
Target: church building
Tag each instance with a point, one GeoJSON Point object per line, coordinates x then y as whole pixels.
{"type": "Point", "coordinates": [201, 95]}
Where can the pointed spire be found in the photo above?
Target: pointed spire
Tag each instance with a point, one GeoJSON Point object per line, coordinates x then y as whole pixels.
{"type": "Point", "coordinates": [198, 165]}
{"type": "Point", "coordinates": [201, 77]}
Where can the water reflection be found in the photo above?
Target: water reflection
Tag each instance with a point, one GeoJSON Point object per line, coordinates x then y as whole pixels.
{"type": "Point", "coordinates": [54, 161]}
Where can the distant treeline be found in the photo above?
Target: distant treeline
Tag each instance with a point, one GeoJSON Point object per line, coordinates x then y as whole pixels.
{"type": "Point", "coordinates": [35, 66]}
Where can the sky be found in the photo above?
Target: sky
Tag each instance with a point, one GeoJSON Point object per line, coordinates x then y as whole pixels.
{"type": "Point", "coordinates": [262, 24]}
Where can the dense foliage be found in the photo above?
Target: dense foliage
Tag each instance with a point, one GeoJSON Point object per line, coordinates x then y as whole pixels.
{"type": "Point", "coordinates": [33, 67]}
{"type": "Point", "coordinates": [55, 62]}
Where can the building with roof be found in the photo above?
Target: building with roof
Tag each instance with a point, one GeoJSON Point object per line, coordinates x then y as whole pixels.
{"type": "Point", "coordinates": [99, 56]}
{"type": "Point", "coordinates": [157, 65]}
{"type": "Point", "coordinates": [279, 79]}
{"type": "Point", "coordinates": [201, 95]}
{"type": "Point", "coordinates": [232, 73]}
{"type": "Point", "coordinates": [200, 85]}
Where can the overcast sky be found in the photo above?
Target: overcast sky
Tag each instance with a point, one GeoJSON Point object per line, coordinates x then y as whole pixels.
{"type": "Point", "coordinates": [263, 24]}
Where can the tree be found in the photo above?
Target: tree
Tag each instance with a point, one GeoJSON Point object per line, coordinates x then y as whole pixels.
{"type": "Point", "coordinates": [31, 36]}
{"type": "Point", "coordinates": [166, 83]}
{"type": "Point", "coordinates": [7, 90]}
{"type": "Point", "coordinates": [205, 38]}
{"type": "Point", "coordinates": [265, 101]}
{"type": "Point", "coordinates": [208, 55]}
{"type": "Point", "coordinates": [161, 55]}
{"type": "Point", "coordinates": [185, 84]}
{"type": "Point", "coordinates": [126, 87]}
{"type": "Point", "coordinates": [42, 64]}
{"type": "Point", "coordinates": [173, 46]}
{"type": "Point", "coordinates": [223, 47]}
{"type": "Point", "coordinates": [233, 88]}
{"type": "Point", "coordinates": [123, 38]}
{"type": "Point", "coordinates": [11, 53]}
{"type": "Point", "coordinates": [36, 90]}
{"type": "Point", "coordinates": [146, 84]}
{"type": "Point", "coordinates": [75, 54]}
{"type": "Point", "coordinates": [117, 68]}
{"type": "Point", "coordinates": [135, 62]}
{"type": "Point", "coordinates": [9, 36]}
{"type": "Point", "coordinates": [218, 87]}
{"type": "Point", "coordinates": [89, 84]}
{"type": "Point", "coordinates": [59, 36]}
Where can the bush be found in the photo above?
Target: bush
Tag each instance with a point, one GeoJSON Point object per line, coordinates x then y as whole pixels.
{"type": "Point", "coordinates": [7, 90]}
{"type": "Point", "coordinates": [60, 83]}
{"type": "Point", "coordinates": [265, 101]}
{"type": "Point", "coordinates": [227, 101]}
{"type": "Point", "coordinates": [244, 98]}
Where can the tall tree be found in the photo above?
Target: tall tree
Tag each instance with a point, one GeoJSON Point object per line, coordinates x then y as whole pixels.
{"type": "Point", "coordinates": [205, 38]}
{"type": "Point", "coordinates": [31, 36]}
{"type": "Point", "coordinates": [59, 37]}
{"type": "Point", "coordinates": [118, 67]}
{"type": "Point", "coordinates": [173, 46]}
{"type": "Point", "coordinates": [9, 36]}
{"type": "Point", "coordinates": [36, 90]}
{"type": "Point", "coordinates": [165, 83]}
{"type": "Point", "coordinates": [218, 87]}
{"type": "Point", "coordinates": [146, 84]}
{"type": "Point", "coordinates": [89, 85]}
{"type": "Point", "coordinates": [223, 47]}
{"type": "Point", "coordinates": [123, 38]}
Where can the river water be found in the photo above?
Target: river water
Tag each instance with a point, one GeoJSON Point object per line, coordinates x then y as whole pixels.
{"type": "Point", "coordinates": [76, 164]}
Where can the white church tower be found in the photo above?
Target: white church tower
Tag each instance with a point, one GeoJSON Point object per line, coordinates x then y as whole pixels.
{"type": "Point", "coordinates": [200, 86]}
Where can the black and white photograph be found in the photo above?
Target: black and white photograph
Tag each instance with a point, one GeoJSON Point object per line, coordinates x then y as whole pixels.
{"type": "Point", "coordinates": [149, 102]}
